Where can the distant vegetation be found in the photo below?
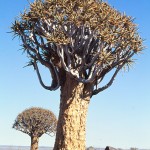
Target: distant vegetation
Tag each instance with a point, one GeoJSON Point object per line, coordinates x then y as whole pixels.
{"type": "Point", "coordinates": [35, 122]}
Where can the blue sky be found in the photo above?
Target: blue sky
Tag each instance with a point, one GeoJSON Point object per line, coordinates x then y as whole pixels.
{"type": "Point", "coordinates": [119, 116]}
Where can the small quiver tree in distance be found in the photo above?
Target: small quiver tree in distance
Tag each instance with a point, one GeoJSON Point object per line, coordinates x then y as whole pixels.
{"type": "Point", "coordinates": [35, 122]}
{"type": "Point", "coordinates": [79, 42]}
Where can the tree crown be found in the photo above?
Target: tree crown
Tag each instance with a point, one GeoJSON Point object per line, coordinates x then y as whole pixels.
{"type": "Point", "coordinates": [36, 121]}
{"type": "Point", "coordinates": [85, 39]}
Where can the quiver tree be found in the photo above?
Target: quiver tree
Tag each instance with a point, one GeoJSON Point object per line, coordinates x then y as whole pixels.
{"type": "Point", "coordinates": [35, 122]}
{"type": "Point", "coordinates": [79, 42]}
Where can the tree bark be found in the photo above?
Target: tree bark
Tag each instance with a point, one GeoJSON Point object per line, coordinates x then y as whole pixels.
{"type": "Point", "coordinates": [75, 98]}
{"type": "Point", "coordinates": [34, 143]}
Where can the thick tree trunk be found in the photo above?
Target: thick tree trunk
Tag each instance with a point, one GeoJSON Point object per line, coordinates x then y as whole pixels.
{"type": "Point", "coordinates": [74, 103]}
{"type": "Point", "coordinates": [34, 143]}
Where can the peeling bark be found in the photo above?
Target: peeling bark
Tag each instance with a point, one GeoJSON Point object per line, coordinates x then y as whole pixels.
{"type": "Point", "coordinates": [34, 143]}
{"type": "Point", "coordinates": [75, 98]}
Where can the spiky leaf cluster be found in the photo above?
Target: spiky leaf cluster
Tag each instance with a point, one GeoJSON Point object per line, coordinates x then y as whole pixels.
{"type": "Point", "coordinates": [35, 122]}
{"type": "Point", "coordinates": [86, 39]}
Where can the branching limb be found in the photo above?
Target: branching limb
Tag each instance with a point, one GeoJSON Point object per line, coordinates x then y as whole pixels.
{"type": "Point", "coordinates": [108, 84]}
{"type": "Point", "coordinates": [120, 65]}
{"type": "Point", "coordinates": [60, 52]}
{"type": "Point", "coordinates": [51, 88]}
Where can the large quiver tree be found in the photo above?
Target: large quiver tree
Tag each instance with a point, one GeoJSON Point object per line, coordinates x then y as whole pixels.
{"type": "Point", "coordinates": [79, 42]}
{"type": "Point", "coordinates": [35, 122]}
